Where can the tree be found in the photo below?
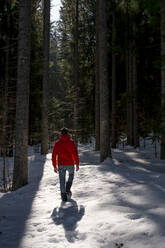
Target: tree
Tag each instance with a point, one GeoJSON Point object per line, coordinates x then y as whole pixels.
{"type": "Point", "coordinates": [20, 176]}
{"type": "Point", "coordinates": [97, 82]}
{"type": "Point", "coordinates": [76, 68]}
{"type": "Point", "coordinates": [105, 150]}
{"type": "Point", "coordinates": [46, 45]}
{"type": "Point", "coordinates": [162, 11]}
{"type": "Point", "coordinates": [114, 126]}
{"type": "Point", "coordinates": [131, 78]}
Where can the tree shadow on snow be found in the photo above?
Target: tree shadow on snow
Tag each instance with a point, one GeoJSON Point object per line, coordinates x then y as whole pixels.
{"type": "Point", "coordinates": [68, 215]}
{"type": "Point", "coordinates": [147, 175]}
{"type": "Point", "coordinates": [15, 207]}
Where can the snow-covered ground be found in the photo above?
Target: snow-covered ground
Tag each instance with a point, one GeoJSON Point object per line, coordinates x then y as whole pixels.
{"type": "Point", "coordinates": [119, 203]}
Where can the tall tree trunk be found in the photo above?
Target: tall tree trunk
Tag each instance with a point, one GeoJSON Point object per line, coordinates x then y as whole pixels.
{"type": "Point", "coordinates": [127, 59]}
{"type": "Point", "coordinates": [162, 14]}
{"type": "Point", "coordinates": [5, 103]}
{"type": "Point", "coordinates": [76, 71]}
{"type": "Point", "coordinates": [129, 78]}
{"type": "Point", "coordinates": [135, 122]}
{"type": "Point", "coordinates": [105, 150]}
{"type": "Point", "coordinates": [20, 176]}
{"type": "Point", "coordinates": [97, 86]}
{"type": "Point", "coordinates": [131, 62]}
{"type": "Point", "coordinates": [130, 82]}
{"type": "Point", "coordinates": [114, 131]}
{"type": "Point", "coordinates": [46, 45]}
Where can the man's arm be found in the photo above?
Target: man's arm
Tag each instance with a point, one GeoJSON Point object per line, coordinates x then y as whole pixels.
{"type": "Point", "coordinates": [55, 158]}
{"type": "Point", "coordinates": [75, 155]}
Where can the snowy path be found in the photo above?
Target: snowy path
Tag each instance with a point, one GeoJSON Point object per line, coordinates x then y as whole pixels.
{"type": "Point", "coordinates": [112, 204]}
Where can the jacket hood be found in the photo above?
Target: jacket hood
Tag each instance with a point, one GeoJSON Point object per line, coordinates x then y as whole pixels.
{"type": "Point", "coordinates": [65, 137]}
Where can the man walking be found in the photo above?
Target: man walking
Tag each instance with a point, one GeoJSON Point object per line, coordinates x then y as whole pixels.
{"type": "Point", "coordinates": [64, 157]}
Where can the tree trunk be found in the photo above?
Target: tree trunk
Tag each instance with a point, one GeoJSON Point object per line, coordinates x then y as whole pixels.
{"type": "Point", "coordinates": [5, 106]}
{"type": "Point", "coordinates": [97, 86]}
{"type": "Point", "coordinates": [162, 14]}
{"type": "Point", "coordinates": [129, 79]}
{"type": "Point", "coordinates": [130, 82]}
{"type": "Point", "coordinates": [46, 45]}
{"type": "Point", "coordinates": [127, 59]}
{"type": "Point", "coordinates": [114, 131]}
{"type": "Point", "coordinates": [76, 72]}
{"type": "Point", "coordinates": [20, 176]}
{"type": "Point", "coordinates": [135, 122]}
{"type": "Point", "coordinates": [105, 150]}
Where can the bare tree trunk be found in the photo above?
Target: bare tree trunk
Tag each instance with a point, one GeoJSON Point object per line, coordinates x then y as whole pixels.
{"type": "Point", "coordinates": [46, 45]}
{"type": "Point", "coordinates": [129, 80]}
{"type": "Point", "coordinates": [105, 150]}
{"type": "Point", "coordinates": [20, 176]}
{"type": "Point", "coordinates": [127, 58]}
{"type": "Point", "coordinates": [162, 14]}
{"type": "Point", "coordinates": [135, 122]}
{"type": "Point", "coordinates": [5, 108]}
{"type": "Point", "coordinates": [97, 87]}
{"type": "Point", "coordinates": [114, 131]}
{"type": "Point", "coordinates": [76, 71]}
{"type": "Point", "coordinates": [131, 87]}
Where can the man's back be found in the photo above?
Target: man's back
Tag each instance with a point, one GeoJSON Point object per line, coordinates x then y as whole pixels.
{"type": "Point", "coordinates": [65, 151]}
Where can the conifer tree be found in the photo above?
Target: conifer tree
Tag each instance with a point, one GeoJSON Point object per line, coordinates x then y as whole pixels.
{"type": "Point", "coordinates": [46, 45]}
{"type": "Point", "coordinates": [162, 11]}
{"type": "Point", "coordinates": [105, 150]}
{"type": "Point", "coordinates": [20, 176]}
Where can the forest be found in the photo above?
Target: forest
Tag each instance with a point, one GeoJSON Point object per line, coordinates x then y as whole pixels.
{"type": "Point", "coordinates": [98, 71]}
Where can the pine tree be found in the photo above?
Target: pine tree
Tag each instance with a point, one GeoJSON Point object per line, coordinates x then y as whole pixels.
{"type": "Point", "coordinates": [105, 150]}
{"type": "Point", "coordinates": [76, 68]}
{"type": "Point", "coordinates": [20, 176]}
{"type": "Point", "coordinates": [162, 11]}
{"type": "Point", "coordinates": [97, 83]}
{"type": "Point", "coordinates": [114, 124]}
{"type": "Point", "coordinates": [46, 45]}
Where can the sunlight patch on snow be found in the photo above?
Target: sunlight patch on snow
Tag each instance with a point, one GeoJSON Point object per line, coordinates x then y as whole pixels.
{"type": "Point", "coordinates": [116, 162]}
{"type": "Point", "coordinates": [141, 161]}
{"type": "Point", "coordinates": [133, 156]}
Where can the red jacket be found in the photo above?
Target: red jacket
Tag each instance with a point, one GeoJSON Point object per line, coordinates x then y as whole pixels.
{"type": "Point", "coordinates": [65, 152]}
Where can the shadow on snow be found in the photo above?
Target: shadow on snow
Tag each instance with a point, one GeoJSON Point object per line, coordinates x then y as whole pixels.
{"type": "Point", "coordinates": [68, 215]}
{"type": "Point", "coordinates": [15, 207]}
{"type": "Point", "coordinates": [147, 175]}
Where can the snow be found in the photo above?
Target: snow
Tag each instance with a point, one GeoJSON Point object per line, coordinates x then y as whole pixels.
{"type": "Point", "coordinates": [118, 203]}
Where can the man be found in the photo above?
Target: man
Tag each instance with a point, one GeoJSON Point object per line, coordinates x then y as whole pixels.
{"type": "Point", "coordinates": [64, 157]}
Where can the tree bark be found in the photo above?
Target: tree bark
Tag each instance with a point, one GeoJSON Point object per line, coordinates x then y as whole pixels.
{"type": "Point", "coordinates": [97, 86]}
{"type": "Point", "coordinates": [76, 72]}
{"type": "Point", "coordinates": [46, 46]}
{"type": "Point", "coordinates": [20, 176]}
{"type": "Point", "coordinates": [127, 58]}
{"type": "Point", "coordinates": [114, 131]}
{"type": "Point", "coordinates": [105, 150]}
{"type": "Point", "coordinates": [162, 16]}
{"type": "Point", "coordinates": [130, 82]}
{"type": "Point", "coordinates": [135, 114]}
{"type": "Point", "coordinates": [129, 79]}
{"type": "Point", "coordinates": [5, 105]}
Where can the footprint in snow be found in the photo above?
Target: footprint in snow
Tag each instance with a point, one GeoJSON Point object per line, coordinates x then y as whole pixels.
{"type": "Point", "coordinates": [36, 224]}
{"type": "Point", "coordinates": [41, 229]}
{"type": "Point", "coordinates": [134, 216]}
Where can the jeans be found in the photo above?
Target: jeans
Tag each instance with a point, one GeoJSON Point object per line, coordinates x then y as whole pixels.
{"type": "Point", "coordinates": [62, 176]}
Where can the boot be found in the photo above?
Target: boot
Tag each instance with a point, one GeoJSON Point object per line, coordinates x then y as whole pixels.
{"type": "Point", "coordinates": [68, 187]}
{"type": "Point", "coordinates": [64, 197]}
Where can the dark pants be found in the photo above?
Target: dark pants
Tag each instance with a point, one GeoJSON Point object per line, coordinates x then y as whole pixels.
{"type": "Point", "coordinates": [62, 176]}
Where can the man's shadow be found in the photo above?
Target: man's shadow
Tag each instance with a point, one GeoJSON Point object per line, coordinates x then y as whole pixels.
{"type": "Point", "coordinates": [68, 214]}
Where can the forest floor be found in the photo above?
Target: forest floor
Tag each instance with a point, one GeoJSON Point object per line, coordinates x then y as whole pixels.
{"type": "Point", "coordinates": [118, 203]}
